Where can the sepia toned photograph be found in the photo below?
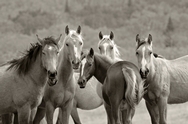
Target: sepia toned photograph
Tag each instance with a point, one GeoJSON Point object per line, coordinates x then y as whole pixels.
{"type": "Point", "coordinates": [93, 61]}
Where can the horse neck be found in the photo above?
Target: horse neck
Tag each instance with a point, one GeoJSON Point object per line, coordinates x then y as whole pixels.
{"type": "Point", "coordinates": [155, 68]}
{"type": "Point", "coordinates": [65, 69]}
{"type": "Point", "coordinates": [101, 67]}
{"type": "Point", "coordinates": [37, 73]}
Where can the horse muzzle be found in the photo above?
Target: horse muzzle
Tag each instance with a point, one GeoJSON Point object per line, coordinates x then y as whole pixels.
{"type": "Point", "coordinates": [144, 74]}
{"type": "Point", "coordinates": [52, 78]}
{"type": "Point", "coordinates": [75, 65]}
{"type": "Point", "coordinates": [82, 83]}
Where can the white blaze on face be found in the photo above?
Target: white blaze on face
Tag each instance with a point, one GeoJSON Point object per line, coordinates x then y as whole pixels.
{"type": "Point", "coordinates": [105, 45]}
{"type": "Point", "coordinates": [50, 47]}
{"type": "Point", "coordinates": [76, 52]}
{"type": "Point", "coordinates": [143, 61]}
{"type": "Point", "coordinates": [83, 65]}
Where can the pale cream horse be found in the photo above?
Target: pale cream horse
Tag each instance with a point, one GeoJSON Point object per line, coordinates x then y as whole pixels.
{"type": "Point", "coordinates": [167, 79]}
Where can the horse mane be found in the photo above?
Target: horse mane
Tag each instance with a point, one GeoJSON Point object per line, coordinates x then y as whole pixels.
{"type": "Point", "coordinates": [24, 63]}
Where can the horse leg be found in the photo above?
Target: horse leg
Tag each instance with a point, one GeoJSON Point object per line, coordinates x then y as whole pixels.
{"type": "Point", "coordinates": [127, 116]}
{"type": "Point", "coordinates": [32, 116]}
{"type": "Point", "coordinates": [49, 112]}
{"type": "Point", "coordinates": [7, 118]}
{"type": "Point", "coordinates": [66, 111]}
{"type": "Point", "coordinates": [115, 113]}
{"type": "Point", "coordinates": [162, 103]}
{"type": "Point", "coordinates": [24, 114]}
{"type": "Point", "coordinates": [39, 115]}
{"type": "Point", "coordinates": [74, 114]}
{"type": "Point", "coordinates": [16, 118]}
{"type": "Point", "coordinates": [108, 112]}
{"type": "Point", "coordinates": [154, 112]}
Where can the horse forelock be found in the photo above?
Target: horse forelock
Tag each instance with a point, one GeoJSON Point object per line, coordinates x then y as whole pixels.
{"type": "Point", "coordinates": [74, 35]}
{"type": "Point", "coordinates": [115, 46]}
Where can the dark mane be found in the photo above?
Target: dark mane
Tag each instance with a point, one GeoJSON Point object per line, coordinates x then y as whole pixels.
{"type": "Point", "coordinates": [24, 63]}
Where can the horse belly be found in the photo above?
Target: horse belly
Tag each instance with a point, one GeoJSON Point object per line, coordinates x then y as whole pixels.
{"type": "Point", "coordinates": [88, 97]}
{"type": "Point", "coordinates": [178, 93]}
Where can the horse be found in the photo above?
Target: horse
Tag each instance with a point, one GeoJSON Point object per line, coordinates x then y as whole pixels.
{"type": "Point", "coordinates": [167, 79]}
{"type": "Point", "coordinates": [121, 90]}
{"type": "Point", "coordinates": [90, 97]}
{"type": "Point", "coordinates": [108, 47]}
{"type": "Point", "coordinates": [62, 94]}
{"type": "Point", "coordinates": [23, 80]}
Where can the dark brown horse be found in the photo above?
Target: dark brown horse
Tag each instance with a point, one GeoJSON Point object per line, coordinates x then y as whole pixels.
{"type": "Point", "coordinates": [122, 85]}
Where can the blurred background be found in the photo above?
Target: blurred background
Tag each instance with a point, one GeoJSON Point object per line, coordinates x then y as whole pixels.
{"type": "Point", "coordinates": [166, 20]}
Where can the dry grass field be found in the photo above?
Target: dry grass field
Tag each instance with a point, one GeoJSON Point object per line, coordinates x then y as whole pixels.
{"type": "Point", "coordinates": [177, 114]}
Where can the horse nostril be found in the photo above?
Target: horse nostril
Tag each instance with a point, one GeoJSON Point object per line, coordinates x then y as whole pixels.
{"type": "Point", "coordinates": [52, 75]}
{"type": "Point", "coordinates": [147, 71]}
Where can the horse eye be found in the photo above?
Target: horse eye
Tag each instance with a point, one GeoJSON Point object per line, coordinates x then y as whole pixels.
{"type": "Point", "coordinates": [90, 64]}
{"type": "Point", "coordinates": [150, 53]}
{"type": "Point", "coordinates": [57, 52]}
{"type": "Point", "coordinates": [99, 48]}
{"type": "Point", "coordinates": [67, 44]}
{"type": "Point", "coordinates": [43, 53]}
{"type": "Point", "coordinates": [111, 47]}
{"type": "Point", "coordinates": [80, 43]}
{"type": "Point", "coordinates": [136, 53]}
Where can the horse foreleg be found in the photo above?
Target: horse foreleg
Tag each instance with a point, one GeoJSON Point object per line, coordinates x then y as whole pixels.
{"type": "Point", "coordinates": [66, 111]}
{"type": "Point", "coordinates": [39, 115]}
{"type": "Point", "coordinates": [32, 116]}
{"type": "Point", "coordinates": [24, 114]}
{"type": "Point", "coordinates": [49, 112]}
{"type": "Point", "coordinates": [108, 112]}
{"type": "Point", "coordinates": [154, 112]}
{"type": "Point", "coordinates": [75, 116]}
{"type": "Point", "coordinates": [7, 118]}
{"type": "Point", "coordinates": [162, 104]}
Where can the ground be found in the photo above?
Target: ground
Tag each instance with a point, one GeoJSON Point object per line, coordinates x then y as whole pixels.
{"type": "Point", "coordinates": [177, 114]}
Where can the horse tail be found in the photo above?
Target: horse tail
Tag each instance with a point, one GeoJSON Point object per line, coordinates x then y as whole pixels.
{"type": "Point", "coordinates": [130, 91]}
{"type": "Point", "coordinates": [141, 90]}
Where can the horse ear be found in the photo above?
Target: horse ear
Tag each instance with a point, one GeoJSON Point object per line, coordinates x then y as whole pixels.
{"type": "Point", "coordinates": [78, 29]}
{"type": "Point", "coordinates": [58, 41]}
{"type": "Point", "coordinates": [149, 39]}
{"type": "Point", "coordinates": [67, 30]}
{"type": "Point", "coordinates": [91, 52]}
{"type": "Point", "coordinates": [137, 38]}
{"type": "Point", "coordinates": [111, 35]}
{"type": "Point", "coordinates": [100, 35]}
{"type": "Point", "coordinates": [40, 40]}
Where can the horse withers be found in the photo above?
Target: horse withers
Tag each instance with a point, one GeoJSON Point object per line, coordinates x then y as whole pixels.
{"type": "Point", "coordinates": [167, 79]}
{"type": "Point", "coordinates": [121, 90]}
{"type": "Point", "coordinates": [23, 80]}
